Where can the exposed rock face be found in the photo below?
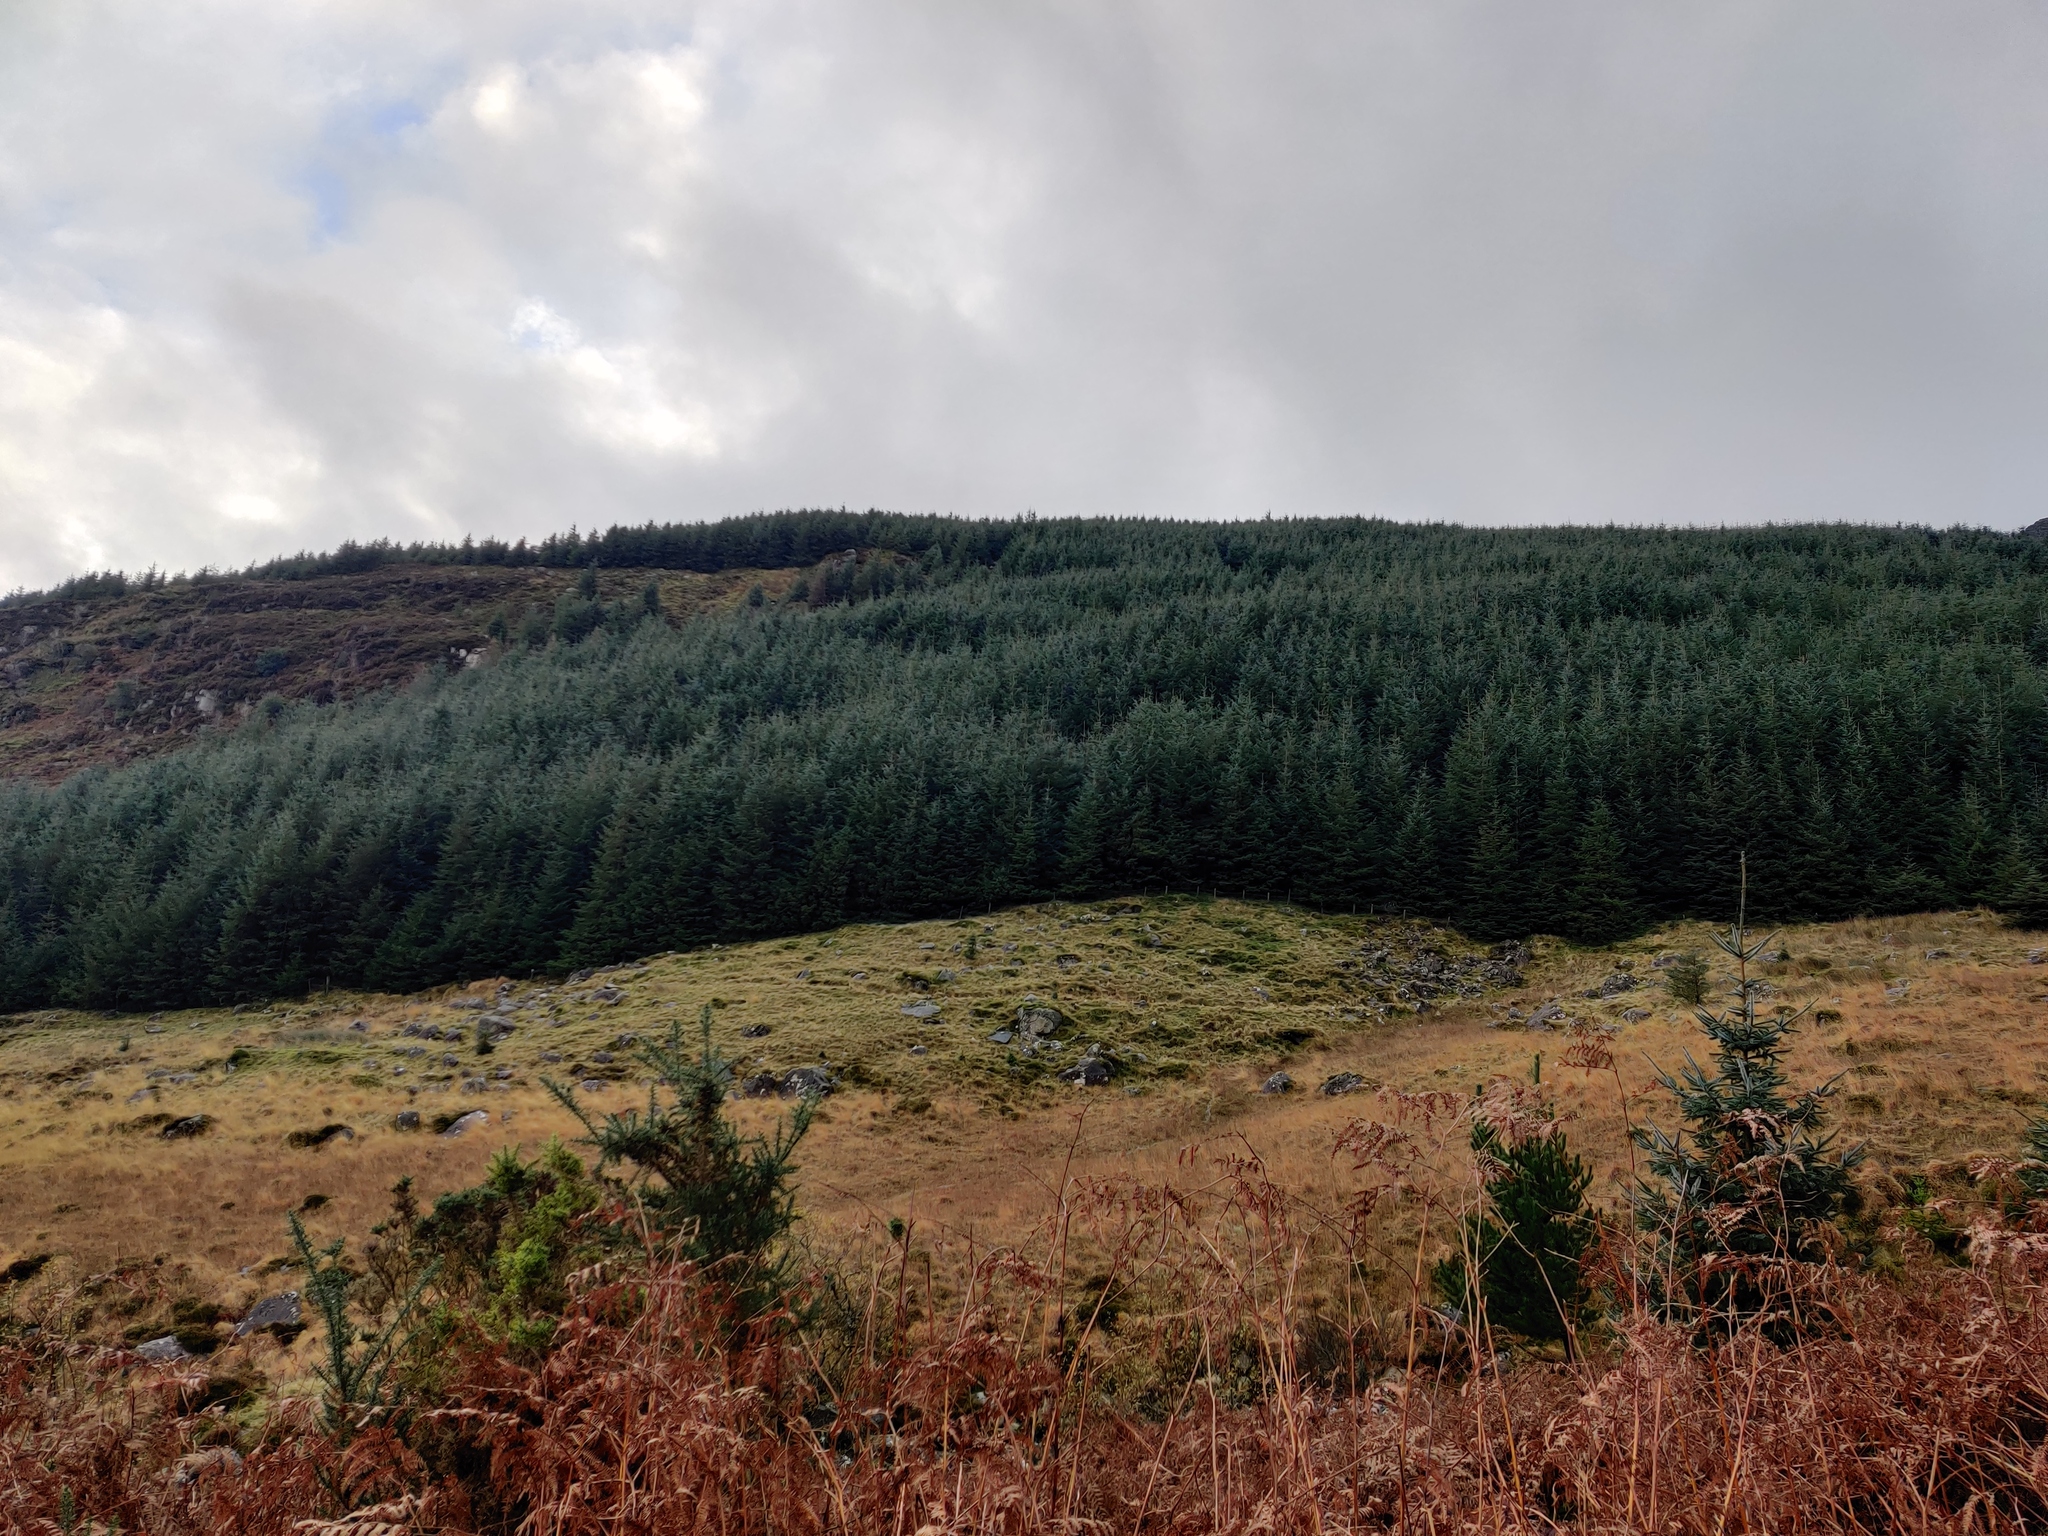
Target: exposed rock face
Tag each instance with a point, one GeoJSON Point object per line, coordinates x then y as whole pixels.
{"type": "Point", "coordinates": [277, 1313]}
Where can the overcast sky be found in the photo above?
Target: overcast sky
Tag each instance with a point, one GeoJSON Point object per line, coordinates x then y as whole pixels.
{"type": "Point", "coordinates": [276, 273]}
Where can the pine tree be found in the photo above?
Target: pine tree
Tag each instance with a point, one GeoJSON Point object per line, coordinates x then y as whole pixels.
{"type": "Point", "coordinates": [1417, 872]}
{"type": "Point", "coordinates": [1492, 908]}
{"type": "Point", "coordinates": [1602, 901]}
{"type": "Point", "coordinates": [1527, 1238]}
{"type": "Point", "coordinates": [1745, 1185]}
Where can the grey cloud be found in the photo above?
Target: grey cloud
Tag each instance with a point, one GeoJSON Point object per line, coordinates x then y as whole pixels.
{"type": "Point", "coordinates": [270, 280]}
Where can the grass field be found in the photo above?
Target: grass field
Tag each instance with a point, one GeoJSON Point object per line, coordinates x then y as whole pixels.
{"type": "Point", "coordinates": [1937, 1022]}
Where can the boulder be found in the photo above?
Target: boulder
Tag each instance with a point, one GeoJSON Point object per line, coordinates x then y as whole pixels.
{"type": "Point", "coordinates": [1279, 1082]}
{"type": "Point", "coordinates": [807, 1083]}
{"type": "Point", "coordinates": [1039, 1019]}
{"type": "Point", "coordinates": [190, 1125]}
{"type": "Point", "coordinates": [1002, 1037]}
{"type": "Point", "coordinates": [163, 1350]}
{"type": "Point", "coordinates": [754, 1032]}
{"type": "Point", "coordinates": [761, 1085]}
{"type": "Point", "coordinates": [1088, 1072]}
{"type": "Point", "coordinates": [923, 1008]}
{"type": "Point", "coordinates": [1341, 1084]}
{"type": "Point", "coordinates": [470, 1121]}
{"type": "Point", "coordinates": [277, 1314]}
{"type": "Point", "coordinates": [406, 1120]}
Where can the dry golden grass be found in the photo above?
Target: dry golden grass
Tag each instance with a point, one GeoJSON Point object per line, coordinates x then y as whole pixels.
{"type": "Point", "coordinates": [954, 1138]}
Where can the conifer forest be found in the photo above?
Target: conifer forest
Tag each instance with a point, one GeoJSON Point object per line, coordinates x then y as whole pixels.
{"type": "Point", "coordinates": [1573, 731]}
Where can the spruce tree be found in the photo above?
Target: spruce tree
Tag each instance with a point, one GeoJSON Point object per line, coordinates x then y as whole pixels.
{"type": "Point", "coordinates": [1602, 901]}
{"type": "Point", "coordinates": [1751, 1177]}
{"type": "Point", "coordinates": [1527, 1238]}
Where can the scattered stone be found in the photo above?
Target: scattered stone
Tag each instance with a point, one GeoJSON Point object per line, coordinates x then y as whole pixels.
{"type": "Point", "coordinates": [277, 1314]}
{"type": "Point", "coordinates": [1039, 1020]}
{"type": "Point", "coordinates": [804, 975]}
{"type": "Point", "coordinates": [191, 1125]}
{"type": "Point", "coordinates": [923, 1008]}
{"type": "Point", "coordinates": [860, 975]}
{"type": "Point", "coordinates": [305, 1140]}
{"type": "Point", "coordinates": [450, 1059]}
{"type": "Point", "coordinates": [141, 1095]}
{"type": "Point", "coordinates": [154, 1029]}
{"type": "Point", "coordinates": [468, 1002]}
{"type": "Point", "coordinates": [502, 1073]}
{"type": "Point", "coordinates": [467, 1122]}
{"type": "Point", "coordinates": [754, 1032]}
{"type": "Point", "coordinates": [1066, 962]}
{"type": "Point", "coordinates": [312, 1203]}
{"type": "Point", "coordinates": [1937, 954]}
{"type": "Point", "coordinates": [1262, 994]}
{"type": "Point", "coordinates": [1613, 986]}
{"type": "Point", "coordinates": [577, 978]}
{"type": "Point", "coordinates": [807, 1083]}
{"type": "Point", "coordinates": [1088, 1072]}
{"type": "Point", "coordinates": [360, 1026]}
{"type": "Point", "coordinates": [602, 1056]}
{"type": "Point", "coordinates": [1002, 1037]}
{"type": "Point", "coordinates": [593, 1085]}
{"type": "Point", "coordinates": [164, 1350]}
{"type": "Point", "coordinates": [946, 975]}
{"type": "Point", "coordinates": [1341, 1084]}
{"type": "Point", "coordinates": [610, 997]}
{"type": "Point", "coordinates": [1635, 1015]}
{"type": "Point", "coordinates": [406, 1120]}
{"type": "Point", "coordinates": [1665, 961]}
{"type": "Point", "coordinates": [917, 1050]}
{"type": "Point", "coordinates": [761, 1085]}
{"type": "Point", "coordinates": [2037, 956]}
{"type": "Point", "coordinates": [1542, 1018]}
{"type": "Point", "coordinates": [1279, 1082]}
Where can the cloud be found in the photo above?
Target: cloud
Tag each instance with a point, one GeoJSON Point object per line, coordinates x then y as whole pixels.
{"type": "Point", "coordinates": [275, 276]}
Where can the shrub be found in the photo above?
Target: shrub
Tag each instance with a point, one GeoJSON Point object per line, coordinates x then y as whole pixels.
{"type": "Point", "coordinates": [1687, 980]}
{"type": "Point", "coordinates": [726, 1198]}
{"type": "Point", "coordinates": [1526, 1241]}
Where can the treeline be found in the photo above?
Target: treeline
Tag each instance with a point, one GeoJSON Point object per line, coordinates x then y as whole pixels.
{"type": "Point", "coordinates": [1516, 731]}
{"type": "Point", "coordinates": [763, 541]}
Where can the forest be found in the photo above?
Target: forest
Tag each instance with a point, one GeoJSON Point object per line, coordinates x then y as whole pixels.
{"type": "Point", "coordinates": [1573, 731]}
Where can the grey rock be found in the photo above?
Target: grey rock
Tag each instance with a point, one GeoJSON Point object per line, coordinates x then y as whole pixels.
{"type": "Point", "coordinates": [1066, 962]}
{"type": "Point", "coordinates": [804, 975]}
{"type": "Point", "coordinates": [593, 1085]}
{"type": "Point", "coordinates": [1039, 1020]}
{"type": "Point", "coordinates": [191, 1125]}
{"type": "Point", "coordinates": [1937, 954]}
{"type": "Point", "coordinates": [1542, 1017]}
{"type": "Point", "coordinates": [807, 1083]}
{"type": "Point", "coordinates": [1279, 1082]}
{"type": "Point", "coordinates": [468, 1002]}
{"type": "Point", "coordinates": [360, 1026]}
{"type": "Point", "coordinates": [163, 1350]}
{"type": "Point", "coordinates": [406, 1120]}
{"type": "Point", "coordinates": [945, 975]}
{"type": "Point", "coordinates": [550, 1056]}
{"type": "Point", "coordinates": [754, 1032]}
{"type": "Point", "coordinates": [450, 1059]}
{"type": "Point", "coordinates": [1341, 1084]}
{"type": "Point", "coordinates": [577, 978]}
{"type": "Point", "coordinates": [470, 1121]}
{"type": "Point", "coordinates": [273, 1312]}
{"type": "Point", "coordinates": [502, 1073]}
{"type": "Point", "coordinates": [1614, 986]}
{"type": "Point", "coordinates": [1262, 994]}
{"type": "Point", "coordinates": [761, 1085]}
{"type": "Point", "coordinates": [611, 997]}
{"type": "Point", "coordinates": [1636, 1015]}
{"type": "Point", "coordinates": [917, 1050]}
{"type": "Point", "coordinates": [141, 1095]}
{"type": "Point", "coordinates": [602, 1056]}
{"type": "Point", "coordinates": [1002, 1037]}
{"type": "Point", "coordinates": [1088, 1072]}
{"type": "Point", "coordinates": [923, 1008]}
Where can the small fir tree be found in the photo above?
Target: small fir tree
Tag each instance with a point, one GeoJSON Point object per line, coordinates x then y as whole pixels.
{"type": "Point", "coordinates": [1687, 980]}
{"type": "Point", "coordinates": [1528, 1237]}
{"type": "Point", "coordinates": [726, 1198]}
{"type": "Point", "coordinates": [1753, 1176]}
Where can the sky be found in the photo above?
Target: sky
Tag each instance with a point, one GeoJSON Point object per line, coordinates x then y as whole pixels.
{"type": "Point", "coordinates": [276, 273]}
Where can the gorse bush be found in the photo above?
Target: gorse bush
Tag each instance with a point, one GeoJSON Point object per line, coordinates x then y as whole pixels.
{"type": "Point", "coordinates": [1512, 730]}
{"type": "Point", "coordinates": [726, 1200]}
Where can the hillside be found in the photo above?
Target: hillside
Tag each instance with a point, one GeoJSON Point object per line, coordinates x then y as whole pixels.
{"type": "Point", "coordinates": [1507, 731]}
{"type": "Point", "coordinates": [1193, 1004]}
{"type": "Point", "coordinates": [104, 677]}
